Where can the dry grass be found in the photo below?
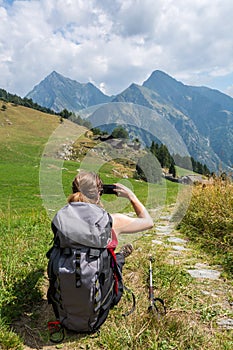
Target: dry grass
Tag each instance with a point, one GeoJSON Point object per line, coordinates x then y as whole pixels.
{"type": "Point", "coordinates": [209, 220]}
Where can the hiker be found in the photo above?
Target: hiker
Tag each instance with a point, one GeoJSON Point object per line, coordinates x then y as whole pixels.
{"type": "Point", "coordinates": [88, 187]}
{"type": "Point", "coordinates": [85, 238]}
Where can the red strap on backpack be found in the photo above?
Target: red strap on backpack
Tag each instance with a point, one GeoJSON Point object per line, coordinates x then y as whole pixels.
{"type": "Point", "coordinates": [56, 331]}
{"type": "Point", "coordinates": [114, 267]}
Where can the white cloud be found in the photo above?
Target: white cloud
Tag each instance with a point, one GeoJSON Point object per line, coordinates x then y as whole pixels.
{"type": "Point", "coordinates": [229, 90]}
{"type": "Point", "coordinates": [114, 43]}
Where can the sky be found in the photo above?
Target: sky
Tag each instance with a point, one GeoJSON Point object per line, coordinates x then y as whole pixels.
{"type": "Point", "coordinates": [115, 43]}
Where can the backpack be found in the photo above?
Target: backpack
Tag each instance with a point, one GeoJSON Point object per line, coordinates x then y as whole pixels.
{"type": "Point", "coordinates": [82, 271]}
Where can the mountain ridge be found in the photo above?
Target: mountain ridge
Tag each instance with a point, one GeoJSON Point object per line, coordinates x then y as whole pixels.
{"type": "Point", "coordinates": [202, 116]}
{"type": "Point", "coordinates": [66, 93]}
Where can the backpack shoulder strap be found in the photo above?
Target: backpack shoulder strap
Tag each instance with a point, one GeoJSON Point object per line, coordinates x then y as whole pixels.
{"type": "Point", "coordinates": [56, 242]}
{"type": "Point", "coordinates": [119, 281]}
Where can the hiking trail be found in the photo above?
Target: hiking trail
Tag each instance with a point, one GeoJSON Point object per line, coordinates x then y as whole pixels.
{"type": "Point", "coordinates": [208, 280]}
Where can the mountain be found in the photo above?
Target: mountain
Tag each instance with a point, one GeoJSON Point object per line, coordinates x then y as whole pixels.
{"type": "Point", "coordinates": [202, 117]}
{"type": "Point", "coordinates": [57, 93]}
{"type": "Point", "coordinates": [208, 110]}
{"type": "Point", "coordinates": [162, 124]}
{"type": "Point", "coordinates": [206, 107]}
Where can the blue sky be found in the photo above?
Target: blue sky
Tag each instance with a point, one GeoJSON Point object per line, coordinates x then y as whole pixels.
{"type": "Point", "coordinates": [114, 43]}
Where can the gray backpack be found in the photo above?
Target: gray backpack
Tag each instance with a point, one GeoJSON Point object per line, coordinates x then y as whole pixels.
{"type": "Point", "coordinates": [82, 271]}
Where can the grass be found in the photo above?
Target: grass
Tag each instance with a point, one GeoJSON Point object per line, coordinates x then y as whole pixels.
{"type": "Point", "coordinates": [209, 221]}
{"type": "Point", "coordinates": [22, 267]}
{"type": "Point", "coordinates": [25, 237]}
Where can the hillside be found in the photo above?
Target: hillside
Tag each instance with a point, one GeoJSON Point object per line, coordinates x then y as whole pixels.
{"type": "Point", "coordinates": [24, 133]}
{"type": "Point", "coordinates": [40, 155]}
{"type": "Point", "coordinates": [162, 122]}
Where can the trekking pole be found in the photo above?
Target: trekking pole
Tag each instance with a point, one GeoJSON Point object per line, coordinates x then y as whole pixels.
{"type": "Point", "coordinates": [157, 305]}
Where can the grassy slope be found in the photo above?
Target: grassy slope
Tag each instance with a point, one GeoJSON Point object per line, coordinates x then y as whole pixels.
{"type": "Point", "coordinates": [24, 133]}
{"type": "Point", "coordinates": [25, 236]}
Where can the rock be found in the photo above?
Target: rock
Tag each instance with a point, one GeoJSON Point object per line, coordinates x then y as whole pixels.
{"type": "Point", "coordinates": [204, 273]}
{"type": "Point", "coordinates": [154, 241]}
{"type": "Point", "coordinates": [166, 218]}
{"type": "Point", "coordinates": [176, 240]}
{"type": "Point", "coordinates": [179, 248]}
{"type": "Point", "coordinates": [201, 265]}
{"type": "Point", "coordinates": [163, 230]}
{"type": "Point", "coordinates": [226, 323]}
{"type": "Point", "coordinates": [205, 292]}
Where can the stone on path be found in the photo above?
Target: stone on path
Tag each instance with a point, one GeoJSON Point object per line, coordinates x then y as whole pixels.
{"type": "Point", "coordinates": [176, 240]}
{"type": "Point", "coordinates": [179, 248]}
{"type": "Point", "coordinates": [163, 230]}
{"type": "Point", "coordinates": [226, 323]}
{"type": "Point", "coordinates": [206, 292]}
{"type": "Point", "coordinates": [166, 217]}
{"type": "Point", "coordinates": [204, 273]}
{"type": "Point", "coordinates": [155, 241]}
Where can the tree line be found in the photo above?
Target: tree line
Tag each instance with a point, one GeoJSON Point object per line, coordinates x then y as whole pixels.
{"type": "Point", "coordinates": [191, 164]}
{"type": "Point", "coordinates": [168, 161]}
{"type": "Point", "coordinates": [28, 102]}
{"type": "Point", "coordinates": [150, 167]}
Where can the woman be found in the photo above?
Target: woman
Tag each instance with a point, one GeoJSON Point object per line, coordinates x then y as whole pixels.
{"type": "Point", "coordinates": [88, 187]}
{"type": "Point", "coordinates": [85, 277]}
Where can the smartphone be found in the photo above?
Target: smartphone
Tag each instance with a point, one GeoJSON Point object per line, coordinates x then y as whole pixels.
{"type": "Point", "coordinates": [109, 189]}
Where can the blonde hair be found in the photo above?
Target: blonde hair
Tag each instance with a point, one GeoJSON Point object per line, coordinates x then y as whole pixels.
{"type": "Point", "coordinates": [87, 187]}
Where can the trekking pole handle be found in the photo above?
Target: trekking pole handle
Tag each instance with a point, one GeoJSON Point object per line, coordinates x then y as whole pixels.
{"type": "Point", "coordinates": [151, 292]}
{"type": "Point", "coordinates": [156, 304]}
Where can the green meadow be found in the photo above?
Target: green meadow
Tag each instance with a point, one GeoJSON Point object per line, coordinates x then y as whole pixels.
{"type": "Point", "coordinates": [33, 184]}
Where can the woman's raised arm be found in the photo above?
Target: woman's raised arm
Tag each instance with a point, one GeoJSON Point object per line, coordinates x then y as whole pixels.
{"type": "Point", "coordinates": [125, 224]}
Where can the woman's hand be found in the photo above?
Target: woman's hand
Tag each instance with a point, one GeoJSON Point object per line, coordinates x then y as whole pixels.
{"type": "Point", "coordinates": [125, 192]}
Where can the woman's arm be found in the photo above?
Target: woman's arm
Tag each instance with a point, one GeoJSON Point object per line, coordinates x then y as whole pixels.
{"type": "Point", "coordinates": [125, 224]}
